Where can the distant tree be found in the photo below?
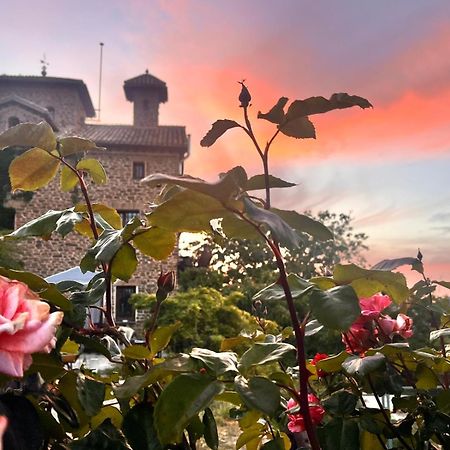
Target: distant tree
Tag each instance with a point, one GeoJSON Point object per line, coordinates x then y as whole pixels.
{"type": "Point", "coordinates": [206, 316]}
{"type": "Point", "coordinates": [248, 266]}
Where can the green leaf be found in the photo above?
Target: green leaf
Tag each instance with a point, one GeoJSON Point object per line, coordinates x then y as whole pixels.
{"type": "Point", "coordinates": [134, 384]}
{"type": "Point", "coordinates": [436, 334]}
{"type": "Point", "coordinates": [70, 145]}
{"type": "Point", "coordinates": [68, 179]}
{"type": "Point", "coordinates": [139, 428]}
{"type": "Point", "coordinates": [219, 127]}
{"type": "Point", "coordinates": [107, 245]}
{"type": "Point", "coordinates": [319, 105]}
{"type": "Point", "coordinates": [180, 402]}
{"type": "Point", "coordinates": [369, 282]}
{"type": "Point", "coordinates": [187, 211]}
{"type": "Point", "coordinates": [264, 353]}
{"type": "Point", "coordinates": [341, 403]}
{"type": "Point", "coordinates": [66, 223]}
{"type": "Point", "coordinates": [92, 344]}
{"type": "Point", "coordinates": [251, 435]}
{"type": "Point", "coordinates": [426, 378]}
{"type": "Point", "coordinates": [224, 189]}
{"type": "Point", "coordinates": [305, 224]}
{"type": "Point", "coordinates": [259, 393]}
{"type": "Point", "coordinates": [210, 430]}
{"type": "Point", "coordinates": [312, 327]}
{"type": "Point", "coordinates": [274, 292]}
{"type": "Point", "coordinates": [333, 363]}
{"type": "Point", "coordinates": [391, 264]}
{"type": "Point", "coordinates": [48, 365]}
{"type": "Point", "coordinates": [336, 308]}
{"type": "Point", "coordinates": [91, 394]}
{"type": "Point", "coordinates": [136, 352]}
{"type": "Point", "coordinates": [299, 128]}
{"type": "Point", "coordinates": [105, 437]}
{"type": "Point", "coordinates": [41, 226]}
{"type": "Point", "coordinates": [258, 182]}
{"type": "Point", "coordinates": [156, 243]}
{"type": "Point", "coordinates": [29, 135]}
{"type": "Point", "coordinates": [94, 169]}
{"type": "Point", "coordinates": [274, 444]}
{"type": "Point", "coordinates": [32, 170]}
{"type": "Point", "coordinates": [161, 337]}
{"type": "Point", "coordinates": [109, 214]}
{"type": "Point", "coordinates": [339, 434]}
{"type": "Point", "coordinates": [235, 228]}
{"type": "Point", "coordinates": [108, 412]}
{"type": "Point", "coordinates": [445, 284]}
{"type": "Point", "coordinates": [280, 230]}
{"type": "Point", "coordinates": [124, 263]}
{"type": "Point", "coordinates": [218, 363]}
{"type": "Point", "coordinates": [354, 365]}
{"type": "Point", "coordinates": [276, 113]}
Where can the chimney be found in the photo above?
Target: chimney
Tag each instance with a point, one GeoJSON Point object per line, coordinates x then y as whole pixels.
{"type": "Point", "coordinates": [146, 92]}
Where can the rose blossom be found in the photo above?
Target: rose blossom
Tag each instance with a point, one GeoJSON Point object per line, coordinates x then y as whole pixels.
{"type": "Point", "coordinates": [371, 307]}
{"type": "Point", "coordinates": [318, 357]}
{"type": "Point", "coordinates": [373, 328]}
{"type": "Point", "coordinates": [296, 423]}
{"type": "Point", "coordinates": [26, 326]}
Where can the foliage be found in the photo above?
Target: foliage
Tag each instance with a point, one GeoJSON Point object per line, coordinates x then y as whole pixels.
{"type": "Point", "coordinates": [9, 254]}
{"type": "Point", "coordinates": [206, 316]}
{"type": "Point", "coordinates": [282, 399]}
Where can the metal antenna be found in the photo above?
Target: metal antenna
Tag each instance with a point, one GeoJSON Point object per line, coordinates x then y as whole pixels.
{"type": "Point", "coordinates": [100, 82]}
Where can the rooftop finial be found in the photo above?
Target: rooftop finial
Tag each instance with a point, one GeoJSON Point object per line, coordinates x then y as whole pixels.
{"type": "Point", "coordinates": [45, 64]}
{"type": "Point", "coordinates": [146, 71]}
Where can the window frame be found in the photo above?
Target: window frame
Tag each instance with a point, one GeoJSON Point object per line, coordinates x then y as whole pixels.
{"type": "Point", "coordinates": [137, 167]}
{"type": "Point", "coordinates": [130, 316]}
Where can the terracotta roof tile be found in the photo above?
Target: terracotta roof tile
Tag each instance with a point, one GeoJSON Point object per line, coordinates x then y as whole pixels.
{"type": "Point", "coordinates": [161, 136]}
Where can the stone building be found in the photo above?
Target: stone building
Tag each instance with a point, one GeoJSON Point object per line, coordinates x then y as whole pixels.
{"type": "Point", "coordinates": [133, 151]}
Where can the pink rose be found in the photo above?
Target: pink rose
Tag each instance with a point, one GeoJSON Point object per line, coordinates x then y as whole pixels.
{"type": "Point", "coordinates": [403, 326]}
{"type": "Point", "coordinates": [296, 423]}
{"type": "Point", "coordinates": [26, 327]}
{"type": "Point", "coordinates": [371, 307]}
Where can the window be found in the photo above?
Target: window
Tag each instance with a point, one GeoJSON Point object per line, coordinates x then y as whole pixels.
{"type": "Point", "coordinates": [13, 121]}
{"type": "Point", "coordinates": [138, 170]}
{"type": "Point", "coordinates": [124, 311]}
{"type": "Point", "coordinates": [127, 214]}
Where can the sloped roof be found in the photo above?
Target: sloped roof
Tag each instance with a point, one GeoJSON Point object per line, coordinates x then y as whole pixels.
{"type": "Point", "coordinates": [54, 81]}
{"type": "Point", "coordinates": [145, 81]}
{"type": "Point", "coordinates": [160, 136]}
{"type": "Point", "coordinates": [28, 105]}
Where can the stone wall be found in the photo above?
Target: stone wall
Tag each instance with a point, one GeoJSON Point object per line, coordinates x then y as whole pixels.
{"type": "Point", "coordinates": [121, 192]}
{"type": "Point", "coordinates": [17, 111]}
{"type": "Point", "coordinates": [68, 109]}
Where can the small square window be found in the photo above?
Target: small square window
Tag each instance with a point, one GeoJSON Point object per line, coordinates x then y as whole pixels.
{"type": "Point", "coordinates": [138, 170]}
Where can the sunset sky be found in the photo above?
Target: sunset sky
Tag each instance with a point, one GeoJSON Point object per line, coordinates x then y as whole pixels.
{"type": "Point", "coordinates": [389, 167]}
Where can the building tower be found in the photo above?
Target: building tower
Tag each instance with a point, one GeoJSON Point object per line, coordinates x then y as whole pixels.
{"type": "Point", "coordinates": [146, 92]}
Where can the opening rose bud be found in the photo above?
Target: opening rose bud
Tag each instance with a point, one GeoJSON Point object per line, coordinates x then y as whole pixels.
{"type": "Point", "coordinates": [26, 327]}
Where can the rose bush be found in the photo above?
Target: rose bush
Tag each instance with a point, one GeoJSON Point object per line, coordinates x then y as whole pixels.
{"type": "Point", "coordinates": [26, 326]}
{"type": "Point", "coordinates": [372, 328]}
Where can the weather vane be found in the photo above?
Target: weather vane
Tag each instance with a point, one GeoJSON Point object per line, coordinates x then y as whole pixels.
{"type": "Point", "coordinates": [45, 64]}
